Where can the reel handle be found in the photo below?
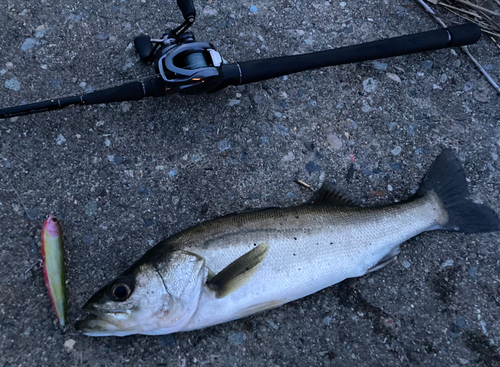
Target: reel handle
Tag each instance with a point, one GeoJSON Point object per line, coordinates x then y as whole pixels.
{"type": "Point", "coordinates": [187, 9]}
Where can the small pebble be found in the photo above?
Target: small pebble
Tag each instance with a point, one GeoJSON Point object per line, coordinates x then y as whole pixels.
{"type": "Point", "coordinates": [334, 141]}
{"type": "Point", "coordinates": [102, 36]}
{"type": "Point", "coordinates": [289, 157]}
{"type": "Point", "coordinates": [27, 332]}
{"type": "Point", "coordinates": [412, 128]}
{"type": "Point", "coordinates": [312, 167]}
{"type": "Point", "coordinates": [453, 332]}
{"type": "Point", "coordinates": [167, 341]}
{"type": "Point", "coordinates": [118, 160]}
{"type": "Point", "coordinates": [281, 129]}
{"type": "Point", "coordinates": [224, 145]}
{"type": "Point", "coordinates": [88, 239]}
{"type": "Point", "coordinates": [369, 85]}
{"type": "Point", "coordinates": [396, 166]}
{"type": "Point", "coordinates": [393, 126]}
{"type": "Point", "coordinates": [272, 324]}
{"type": "Point", "coordinates": [309, 145]}
{"type": "Point", "coordinates": [69, 344]}
{"type": "Point", "coordinates": [379, 65]}
{"type": "Point", "coordinates": [60, 139]}
{"type": "Point", "coordinates": [237, 338]}
{"type": "Point", "coordinates": [75, 18]}
{"type": "Point", "coordinates": [394, 77]}
{"type": "Point", "coordinates": [481, 96]}
{"type": "Point", "coordinates": [406, 264]}
{"type": "Point", "coordinates": [291, 195]}
{"type": "Point", "coordinates": [468, 86]}
{"type": "Point", "coordinates": [149, 222]}
{"type": "Point", "coordinates": [253, 9]}
{"type": "Point", "coordinates": [91, 208]}
{"type": "Point", "coordinates": [460, 321]}
{"type": "Point", "coordinates": [233, 102]}
{"type": "Point", "coordinates": [128, 64]}
{"type": "Point", "coordinates": [405, 292]}
{"type": "Point", "coordinates": [447, 263]}
{"type": "Point", "coordinates": [13, 84]}
{"type": "Point", "coordinates": [142, 190]}
{"type": "Point", "coordinates": [29, 43]}
{"type": "Point", "coordinates": [397, 149]}
{"type": "Point", "coordinates": [33, 213]}
{"type": "Point", "coordinates": [327, 321]}
{"type": "Point", "coordinates": [473, 272]}
{"type": "Point", "coordinates": [208, 10]}
{"type": "Point", "coordinates": [426, 65]}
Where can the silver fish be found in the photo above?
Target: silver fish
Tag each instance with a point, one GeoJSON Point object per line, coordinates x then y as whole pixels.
{"type": "Point", "coordinates": [240, 264]}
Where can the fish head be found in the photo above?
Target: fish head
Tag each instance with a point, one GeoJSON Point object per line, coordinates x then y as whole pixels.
{"type": "Point", "coordinates": [157, 295]}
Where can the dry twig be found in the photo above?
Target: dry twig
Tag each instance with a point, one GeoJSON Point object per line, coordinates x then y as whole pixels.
{"type": "Point", "coordinates": [466, 50]}
{"type": "Point", "coordinates": [478, 7]}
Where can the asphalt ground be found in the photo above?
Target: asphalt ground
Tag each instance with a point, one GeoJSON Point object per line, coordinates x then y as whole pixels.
{"type": "Point", "coordinates": [123, 176]}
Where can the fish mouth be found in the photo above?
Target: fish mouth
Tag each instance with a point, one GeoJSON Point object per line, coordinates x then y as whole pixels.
{"type": "Point", "coordinates": [96, 327]}
{"type": "Point", "coordinates": [99, 323]}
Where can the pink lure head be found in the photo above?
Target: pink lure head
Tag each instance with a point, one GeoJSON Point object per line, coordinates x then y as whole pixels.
{"type": "Point", "coordinates": [51, 226]}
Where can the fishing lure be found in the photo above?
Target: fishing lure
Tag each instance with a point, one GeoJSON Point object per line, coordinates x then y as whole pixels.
{"type": "Point", "coordinates": [53, 266]}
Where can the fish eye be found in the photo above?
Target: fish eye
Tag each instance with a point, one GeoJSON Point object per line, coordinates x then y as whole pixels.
{"type": "Point", "coordinates": [121, 291]}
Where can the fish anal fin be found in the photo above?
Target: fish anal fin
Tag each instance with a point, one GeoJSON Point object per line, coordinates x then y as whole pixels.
{"type": "Point", "coordinates": [260, 307]}
{"type": "Point", "coordinates": [238, 272]}
{"type": "Point", "coordinates": [328, 194]}
{"type": "Point", "coordinates": [387, 259]}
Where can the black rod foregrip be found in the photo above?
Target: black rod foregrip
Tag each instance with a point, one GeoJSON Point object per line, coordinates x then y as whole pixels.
{"type": "Point", "coordinates": [258, 70]}
{"type": "Point", "coordinates": [127, 92]}
{"type": "Point", "coordinates": [28, 109]}
{"type": "Point", "coordinates": [187, 9]}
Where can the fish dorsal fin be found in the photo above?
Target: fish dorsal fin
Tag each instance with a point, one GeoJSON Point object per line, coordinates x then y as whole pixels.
{"type": "Point", "coordinates": [238, 272]}
{"type": "Point", "coordinates": [328, 194]}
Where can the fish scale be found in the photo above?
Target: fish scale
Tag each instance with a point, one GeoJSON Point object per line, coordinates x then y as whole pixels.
{"type": "Point", "coordinates": [330, 246]}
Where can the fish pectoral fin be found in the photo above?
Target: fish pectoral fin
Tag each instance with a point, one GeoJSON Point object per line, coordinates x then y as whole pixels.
{"type": "Point", "coordinates": [328, 194]}
{"type": "Point", "coordinates": [238, 272]}
{"type": "Point", "coordinates": [390, 257]}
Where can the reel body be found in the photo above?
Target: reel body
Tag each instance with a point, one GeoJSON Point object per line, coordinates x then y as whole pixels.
{"type": "Point", "coordinates": [185, 66]}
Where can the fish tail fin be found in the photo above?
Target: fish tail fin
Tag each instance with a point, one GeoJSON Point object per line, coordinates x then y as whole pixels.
{"type": "Point", "coordinates": [446, 178]}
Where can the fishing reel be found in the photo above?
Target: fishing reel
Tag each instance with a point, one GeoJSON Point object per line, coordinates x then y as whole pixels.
{"type": "Point", "coordinates": [186, 66]}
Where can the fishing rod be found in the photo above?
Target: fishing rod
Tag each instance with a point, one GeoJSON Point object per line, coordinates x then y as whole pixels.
{"type": "Point", "coordinates": [190, 67]}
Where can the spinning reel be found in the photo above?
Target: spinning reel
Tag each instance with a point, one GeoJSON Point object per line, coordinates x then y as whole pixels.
{"type": "Point", "coordinates": [190, 67]}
